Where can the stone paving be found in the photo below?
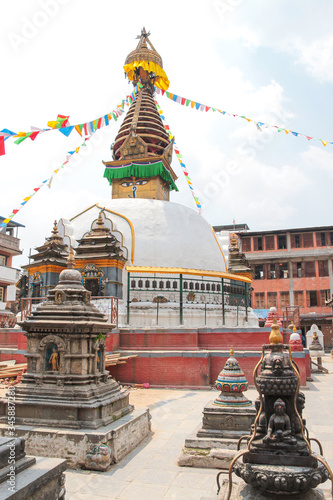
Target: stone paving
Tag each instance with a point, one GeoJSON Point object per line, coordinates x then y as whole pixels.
{"type": "Point", "coordinates": [151, 473]}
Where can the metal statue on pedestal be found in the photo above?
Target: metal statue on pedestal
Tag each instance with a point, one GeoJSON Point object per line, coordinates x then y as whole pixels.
{"type": "Point", "coordinates": [279, 459]}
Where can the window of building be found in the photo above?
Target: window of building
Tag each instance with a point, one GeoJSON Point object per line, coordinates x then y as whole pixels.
{"type": "Point", "coordinates": [185, 285]}
{"type": "Point", "coordinates": [140, 283]}
{"type": "Point", "coordinates": [297, 270]}
{"type": "Point", "coordinates": [284, 299]}
{"type": "Point", "coordinates": [191, 285]}
{"type": "Point", "coordinates": [218, 288]}
{"type": "Point", "coordinates": [2, 294]}
{"type": "Point", "coordinates": [312, 298]}
{"type": "Point", "coordinates": [269, 242]}
{"type": "Point", "coordinates": [282, 241]}
{"type": "Point", "coordinates": [208, 287]}
{"type": "Point", "coordinates": [174, 284]}
{"type": "Point", "coordinates": [259, 300]}
{"type": "Point", "coordinates": [271, 299]}
{"type": "Point", "coordinates": [246, 244]}
{"type": "Point", "coordinates": [307, 240]}
{"type": "Point", "coordinates": [147, 283]}
{"type": "Point", "coordinates": [323, 268]}
{"type": "Point", "coordinates": [154, 284]}
{"type": "Point", "coordinates": [213, 287]}
{"type": "Point", "coordinates": [202, 286]}
{"type": "Point", "coordinates": [168, 284]}
{"type": "Point", "coordinates": [271, 271]}
{"type": "Point", "coordinates": [324, 295]}
{"type": "Point", "coordinates": [283, 270]}
{"type": "Point", "coordinates": [133, 283]}
{"type": "Point", "coordinates": [259, 272]}
{"type": "Point", "coordinates": [257, 243]}
{"type": "Point", "coordinates": [310, 269]}
{"type": "Point", "coordinates": [299, 298]}
{"type": "Point", "coordinates": [321, 239]}
{"type": "Point", "coordinates": [3, 260]}
{"type": "Point", "coordinates": [197, 286]}
{"type": "Point", "coordinates": [295, 240]}
{"type": "Point", "coordinates": [161, 284]}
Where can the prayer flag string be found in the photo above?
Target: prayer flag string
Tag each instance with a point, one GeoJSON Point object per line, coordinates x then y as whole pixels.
{"type": "Point", "coordinates": [88, 128]}
{"type": "Point", "coordinates": [183, 101]}
{"type": "Point", "coordinates": [180, 159]}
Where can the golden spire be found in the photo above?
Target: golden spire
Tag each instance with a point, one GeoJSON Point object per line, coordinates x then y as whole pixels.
{"type": "Point", "coordinates": [294, 329]}
{"type": "Point", "coordinates": [70, 260]}
{"type": "Point", "coordinates": [275, 336]}
{"type": "Point", "coordinates": [232, 352]}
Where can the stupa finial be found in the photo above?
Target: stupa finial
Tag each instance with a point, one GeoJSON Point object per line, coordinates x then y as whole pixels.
{"type": "Point", "coordinates": [145, 64]}
{"type": "Point", "coordinates": [294, 329]}
{"type": "Point", "coordinates": [71, 260]}
{"type": "Point", "coordinates": [275, 336]}
{"type": "Point", "coordinates": [232, 352]}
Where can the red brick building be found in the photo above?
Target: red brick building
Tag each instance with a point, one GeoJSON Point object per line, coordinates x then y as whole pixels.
{"type": "Point", "coordinates": [292, 271]}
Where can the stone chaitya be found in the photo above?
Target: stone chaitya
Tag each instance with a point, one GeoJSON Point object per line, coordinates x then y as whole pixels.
{"type": "Point", "coordinates": [279, 458]}
{"type": "Point", "coordinates": [66, 382]}
{"type": "Point", "coordinates": [225, 420]}
{"type": "Point", "coordinates": [66, 385]}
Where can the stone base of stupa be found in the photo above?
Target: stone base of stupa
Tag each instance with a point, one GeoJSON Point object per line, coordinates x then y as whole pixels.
{"type": "Point", "coordinates": [242, 491]}
{"type": "Point", "coordinates": [214, 443]}
{"type": "Point", "coordinates": [94, 449]}
{"type": "Point", "coordinates": [68, 406]}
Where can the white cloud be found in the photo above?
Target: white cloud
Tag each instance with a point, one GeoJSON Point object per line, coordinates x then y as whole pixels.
{"type": "Point", "coordinates": [317, 57]}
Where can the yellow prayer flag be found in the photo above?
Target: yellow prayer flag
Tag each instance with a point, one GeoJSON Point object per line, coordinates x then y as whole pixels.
{"type": "Point", "coordinates": [325, 143]}
{"type": "Point", "coordinates": [77, 128]}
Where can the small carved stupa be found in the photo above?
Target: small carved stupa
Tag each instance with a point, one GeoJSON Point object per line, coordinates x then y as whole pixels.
{"type": "Point", "coordinates": [232, 382]}
{"type": "Point", "coordinates": [66, 384]}
{"type": "Point", "coordinates": [295, 341]}
{"type": "Point", "coordinates": [238, 263]}
{"type": "Point", "coordinates": [270, 318]}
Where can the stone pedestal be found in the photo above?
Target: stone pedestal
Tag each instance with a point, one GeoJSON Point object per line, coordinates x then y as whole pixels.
{"type": "Point", "coordinates": [29, 478]}
{"type": "Point", "coordinates": [87, 448]}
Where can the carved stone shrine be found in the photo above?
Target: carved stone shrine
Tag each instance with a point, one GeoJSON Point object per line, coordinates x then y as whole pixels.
{"type": "Point", "coordinates": [67, 386]}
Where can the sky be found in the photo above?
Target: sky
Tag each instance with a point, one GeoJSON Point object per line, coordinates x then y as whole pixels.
{"type": "Point", "coordinates": [270, 61]}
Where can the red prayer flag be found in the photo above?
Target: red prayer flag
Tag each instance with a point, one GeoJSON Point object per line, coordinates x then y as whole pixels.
{"type": "Point", "coordinates": [2, 145]}
{"type": "Point", "coordinates": [33, 135]}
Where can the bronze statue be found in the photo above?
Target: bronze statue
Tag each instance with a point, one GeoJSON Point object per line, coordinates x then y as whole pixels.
{"type": "Point", "coordinates": [54, 360]}
{"type": "Point", "coordinates": [279, 427]}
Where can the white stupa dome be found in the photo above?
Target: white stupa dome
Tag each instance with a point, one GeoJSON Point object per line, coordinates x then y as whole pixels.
{"type": "Point", "coordinates": [155, 233]}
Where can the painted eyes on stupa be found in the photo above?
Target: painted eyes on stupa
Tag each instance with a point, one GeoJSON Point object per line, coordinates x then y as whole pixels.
{"type": "Point", "coordinates": [141, 182]}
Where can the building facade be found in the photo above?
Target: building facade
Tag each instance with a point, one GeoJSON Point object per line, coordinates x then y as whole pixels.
{"type": "Point", "coordinates": [292, 271]}
{"type": "Point", "coordinates": [9, 275]}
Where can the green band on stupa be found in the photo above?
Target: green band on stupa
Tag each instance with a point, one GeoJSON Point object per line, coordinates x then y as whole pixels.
{"type": "Point", "coordinates": [142, 170]}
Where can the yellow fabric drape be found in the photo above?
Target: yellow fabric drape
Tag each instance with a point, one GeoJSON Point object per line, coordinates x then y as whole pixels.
{"type": "Point", "coordinates": [161, 80]}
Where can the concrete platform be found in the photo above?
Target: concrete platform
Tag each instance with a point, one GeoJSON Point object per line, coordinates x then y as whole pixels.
{"type": "Point", "coordinates": [121, 436]}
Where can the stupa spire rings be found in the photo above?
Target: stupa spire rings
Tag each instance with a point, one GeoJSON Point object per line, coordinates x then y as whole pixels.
{"type": "Point", "coordinates": [71, 260]}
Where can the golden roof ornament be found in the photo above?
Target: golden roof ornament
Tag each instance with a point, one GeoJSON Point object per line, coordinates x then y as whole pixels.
{"type": "Point", "coordinates": [275, 336]}
{"type": "Point", "coordinates": [145, 64]}
{"type": "Point", "coordinates": [70, 260]}
{"type": "Point", "coordinates": [232, 352]}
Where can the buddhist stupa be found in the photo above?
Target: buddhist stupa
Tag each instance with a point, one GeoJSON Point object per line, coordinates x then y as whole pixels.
{"type": "Point", "coordinates": [140, 246]}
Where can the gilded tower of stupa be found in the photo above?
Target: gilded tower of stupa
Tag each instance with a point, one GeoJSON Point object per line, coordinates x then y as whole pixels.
{"type": "Point", "coordinates": [142, 150]}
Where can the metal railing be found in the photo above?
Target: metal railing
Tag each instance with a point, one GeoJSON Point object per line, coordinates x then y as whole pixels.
{"type": "Point", "coordinates": [106, 305]}
{"type": "Point", "coordinates": [181, 289]}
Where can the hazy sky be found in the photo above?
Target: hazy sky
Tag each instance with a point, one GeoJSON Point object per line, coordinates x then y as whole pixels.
{"type": "Point", "coordinates": [271, 61]}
